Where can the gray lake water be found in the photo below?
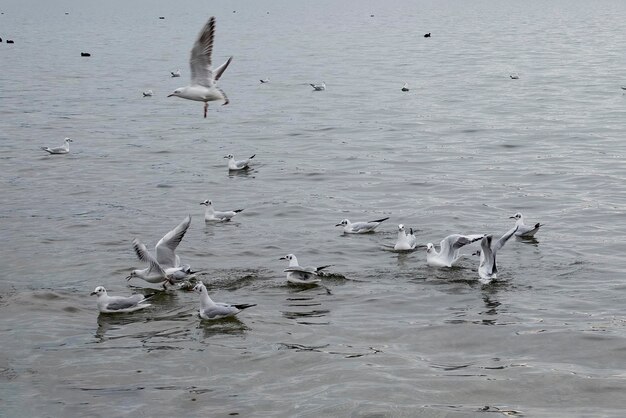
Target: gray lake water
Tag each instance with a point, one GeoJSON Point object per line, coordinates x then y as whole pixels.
{"type": "Point", "coordinates": [386, 335]}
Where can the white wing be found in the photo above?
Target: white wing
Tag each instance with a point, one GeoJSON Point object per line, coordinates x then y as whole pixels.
{"type": "Point", "coordinates": [166, 247]}
{"type": "Point", "coordinates": [500, 243]}
{"type": "Point", "coordinates": [144, 255]}
{"type": "Point", "coordinates": [200, 60]}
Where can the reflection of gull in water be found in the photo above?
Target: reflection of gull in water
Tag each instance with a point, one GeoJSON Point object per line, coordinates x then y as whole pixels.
{"type": "Point", "coordinates": [301, 275]}
{"type": "Point", "coordinates": [449, 250]}
{"type": "Point", "coordinates": [405, 241]}
{"type": "Point", "coordinates": [215, 310]}
{"type": "Point", "coordinates": [523, 230]}
{"type": "Point", "coordinates": [118, 304]}
{"type": "Point", "coordinates": [360, 227]}
{"type": "Point", "coordinates": [487, 269]}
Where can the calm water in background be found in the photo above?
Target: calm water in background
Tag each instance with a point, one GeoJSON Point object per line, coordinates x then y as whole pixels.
{"type": "Point", "coordinates": [387, 336]}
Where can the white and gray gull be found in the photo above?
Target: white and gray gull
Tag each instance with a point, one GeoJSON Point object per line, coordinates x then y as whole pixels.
{"type": "Point", "coordinates": [360, 227]}
{"type": "Point", "coordinates": [63, 149]}
{"type": "Point", "coordinates": [216, 310]}
{"type": "Point", "coordinates": [203, 87]}
{"type": "Point", "coordinates": [212, 215]}
{"type": "Point", "coordinates": [118, 304]}
{"type": "Point", "coordinates": [449, 251]}
{"type": "Point", "coordinates": [234, 165]}
{"type": "Point", "coordinates": [523, 230]}
{"type": "Point", "coordinates": [297, 274]}
{"type": "Point", "coordinates": [405, 241]}
{"type": "Point", "coordinates": [487, 270]}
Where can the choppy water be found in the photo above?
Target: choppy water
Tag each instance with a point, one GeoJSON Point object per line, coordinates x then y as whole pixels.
{"type": "Point", "coordinates": [387, 336]}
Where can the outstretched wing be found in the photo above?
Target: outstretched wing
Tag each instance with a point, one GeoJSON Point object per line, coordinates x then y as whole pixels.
{"type": "Point", "coordinates": [144, 255]}
{"type": "Point", "coordinates": [200, 61]}
{"type": "Point", "coordinates": [500, 243]}
{"type": "Point", "coordinates": [217, 73]}
{"type": "Point", "coordinates": [166, 247]}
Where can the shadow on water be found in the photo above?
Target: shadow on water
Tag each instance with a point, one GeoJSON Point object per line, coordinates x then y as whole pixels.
{"type": "Point", "coordinates": [226, 326]}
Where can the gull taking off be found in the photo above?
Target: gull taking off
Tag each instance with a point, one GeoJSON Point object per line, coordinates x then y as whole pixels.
{"type": "Point", "coordinates": [405, 241]}
{"type": "Point", "coordinates": [212, 215]}
{"type": "Point", "coordinates": [449, 249]}
{"type": "Point", "coordinates": [487, 269]}
{"type": "Point", "coordinates": [318, 87]}
{"type": "Point", "coordinates": [301, 275]}
{"type": "Point", "coordinates": [115, 304]}
{"type": "Point", "coordinates": [234, 165]}
{"type": "Point", "coordinates": [63, 149]}
{"type": "Point", "coordinates": [203, 86]}
{"type": "Point", "coordinates": [213, 310]}
{"type": "Point", "coordinates": [360, 227]}
{"type": "Point", "coordinates": [166, 265]}
{"type": "Point", "coordinates": [523, 230]}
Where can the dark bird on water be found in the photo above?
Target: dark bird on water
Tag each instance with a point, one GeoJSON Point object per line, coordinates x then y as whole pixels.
{"type": "Point", "coordinates": [427, 35]}
{"type": "Point", "coordinates": [85, 54]}
{"type": "Point", "coordinates": [10, 41]}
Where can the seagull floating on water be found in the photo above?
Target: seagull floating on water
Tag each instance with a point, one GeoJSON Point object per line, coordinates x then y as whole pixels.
{"type": "Point", "coordinates": [360, 227]}
{"type": "Point", "coordinates": [212, 215]}
{"type": "Point", "coordinates": [203, 86]}
{"type": "Point", "coordinates": [449, 249]}
{"type": "Point", "coordinates": [118, 304]}
{"type": "Point", "coordinates": [147, 93]}
{"type": "Point", "coordinates": [234, 165]}
{"type": "Point", "coordinates": [166, 266]}
{"type": "Point", "coordinates": [318, 87]}
{"type": "Point", "coordinates": [487, 270]}
{"type": "Point", "coordinates": [267, 80]}
{"type": "Point", "coordinates": [215, 310]}
{"type": "Point", "coordinates": [63, 149]}
{"type": "Point", "coordinates": [523, 230]}
{"type": "Point", "coordinates": [405, 241]}
{"type": "Point", "coordinates": [405, 87]}
{"type": "Point", "coordinates": [514, 76]}
{"type": "Point", "coordinates": [427, 35]}
{"type": "Point", "coordinates": [175, 73]}
{"type": "Point", "coordinates": [301, 275]}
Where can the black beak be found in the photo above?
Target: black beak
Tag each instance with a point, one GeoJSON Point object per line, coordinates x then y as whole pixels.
{"type": "Point", "coordinates": [282, 258]}
{"type": "Point", "coordinates": [129, 277]}
{"type": "Point", "coordinates": [339, 225]}
{"type": "Point", "coordinates": [92, 293]}
{"type": "Point", "coordinates": [512, 217]}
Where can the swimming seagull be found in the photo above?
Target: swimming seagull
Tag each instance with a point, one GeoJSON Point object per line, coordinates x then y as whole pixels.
{"type": "Point", "coordinates": [405, 241]}
{"type": "Point", "coordinates": [63, 149]}
{"type": "Point", "coordinates": [301, 275]}
{"type": "Point", "coordinates": [360, 227]}
{"type": "Point", "coordinates": [523, 230]}
{"type": "Point", "coordinates": [238, 165]}
{"type": "Point", "coordinates": [318, 87]}
{"type": "Point", "coordinates": [166, 266]}
{"type": "Point", "coordinates": [514, 76]}
{"type": "Point", "coordinates": [449, 250]}
{"type": "Point", "coordinates": [175, 73]}
{"type": "Point", "coordinates": [118, 304]}
{"type": "Point", "coordinates": [212, 215]}
{"type": "Point", "coordinates": [267, 80]}
{"type": "Point", "coordinates": [214, 310]}
{"type": "Point", "coordinates": [405, 87]}
{"type": "Point", "coordinates": [147, 93]}
{"type": "Point", "coordinates": [487, 270]}
{"type": "Point", "coordinates": [203, 86]}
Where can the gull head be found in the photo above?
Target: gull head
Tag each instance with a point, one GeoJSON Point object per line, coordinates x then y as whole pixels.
{"type": "Point", "coordinates": [518, 215]}
{"type": "Point", "coordinates": [99, 291]}
{"type": "Point", "coordinates": [343, 223]}
{"type": "Point", "coordinates": [229, 156]}
{"type": "Point", "coordinates": [207, 203]}
{"type": "Point", "coordinates": [133, 273]}
{"type": "Point", "coordinates": [401, 227]}
{"type": "Point", "coordinates": [176, 93]}
{"type": "Point", "coordinates": [288, 257]}
{"type": "Point", "coordinates": [430, 247]}
{"type": "Point", "coordinates": [68, 140]}
{"type": "Point", "coordinates": [199, 288]}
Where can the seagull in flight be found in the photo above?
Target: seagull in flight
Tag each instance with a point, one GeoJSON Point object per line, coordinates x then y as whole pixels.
{"type": "Point", "coordinates": [523, 230]}
{"type": "Point", "coordinates": [203, 86]}
{"type": "Point", "coordinates": [487, 270]}
{"type": "Point", "coordinates": [449, 249]}
{"type": "Point", "coordinates": [216, 310]}
{"type": "Point", "coordinates": [297, 274]}
{"type": "Point", "coordinates": [63, 149]}
{"type": "Point", "coordinates": [234, 165]}
{"type": "Point", "coordinates": [360, 227]}
{"type": "Point", "coordinates": [118, 304]}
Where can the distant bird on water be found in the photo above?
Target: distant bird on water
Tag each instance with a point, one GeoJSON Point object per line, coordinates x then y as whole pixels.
{"type": "Point", "coordinates": [63, 149]}
{"type": "Point", "coordinates": [514, 76]}
{"type": "Point", "coordinates": [318, 87]}
{"type": "Point", "coordinates": [267, 80]}
{"type": "Point", "coordinates": [85, 54]}
{"type": "Point", "coordinates": [427, 35]}
{"type": "Point", "coordinates": [203, 86]}
{"type": "Point", "coordinates": [147, 93]}
{"type": "Point", "coordinates": [175, 73]}
{"type": "Point", "coordinates": [10, 41]}
{"type": "Point", "coordinates": [405, 87]}
{"type": "Point", "coordinates": [623, 88]}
